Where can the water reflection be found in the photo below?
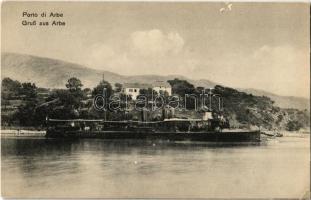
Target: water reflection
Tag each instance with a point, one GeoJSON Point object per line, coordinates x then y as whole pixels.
{"type": "Point", "coordinates": [131, 168]}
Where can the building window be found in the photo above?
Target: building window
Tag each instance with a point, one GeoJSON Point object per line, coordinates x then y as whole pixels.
{"type": "Point", "coordinates": [135, 90]}
{"type": "Point", "coordinates": [130, 90]}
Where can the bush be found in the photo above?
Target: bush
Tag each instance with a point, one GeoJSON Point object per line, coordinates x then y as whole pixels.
{"type": "Point", "coordinates": [293, 125]}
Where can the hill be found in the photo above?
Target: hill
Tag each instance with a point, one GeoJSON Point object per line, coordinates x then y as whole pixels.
{"type": "Point", "coordinates": [282, 101]}
{"type": "Point", "coordinates": [52, 73]}
{"type": "Point", "coordinates": [248, 109]}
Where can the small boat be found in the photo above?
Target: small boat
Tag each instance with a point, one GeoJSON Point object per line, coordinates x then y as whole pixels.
{"type": "Point", "coordinates": [278, 134]}
{"type": "Point", "coordinates": [272, 134]}
{"type": "Point", "coordinates": [267, 134]}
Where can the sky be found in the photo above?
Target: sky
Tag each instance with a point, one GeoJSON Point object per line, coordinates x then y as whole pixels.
{"type": "Point", "coordinates": [249, 45]}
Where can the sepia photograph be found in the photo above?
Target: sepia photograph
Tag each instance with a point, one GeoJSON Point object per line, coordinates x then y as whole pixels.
{"type": "Point", "coordinates": [155, 100]}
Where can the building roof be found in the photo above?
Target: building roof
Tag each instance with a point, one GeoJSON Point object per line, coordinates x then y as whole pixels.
{"type": "Point", "coordinates": [145, 85]}
{"type": "Point", "coordinates": [161, 84]}
{"type": "Point", "coordinates": [137, 85]}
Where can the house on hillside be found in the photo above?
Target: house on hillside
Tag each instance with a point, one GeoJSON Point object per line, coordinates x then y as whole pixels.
{"type": "Point", "coordinates": [162, 87]}
{"type": "Point", "coordinates": [133, 89]}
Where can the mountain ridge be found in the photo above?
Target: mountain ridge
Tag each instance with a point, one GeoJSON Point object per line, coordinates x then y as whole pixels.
{"type": "Point", "coordinates": [282, 101]}
{"type": "Point", "coordinates": [53, 73]}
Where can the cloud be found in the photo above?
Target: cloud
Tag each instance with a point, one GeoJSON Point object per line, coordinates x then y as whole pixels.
{"type": "Point", "coordinates": [282, 60]}
{"type": "Point", "coordinates": [149, 51]}
{"type": "Point", "coordinates": [104, 57]}
{"type": "Point", "coordinates": [283, 69]}
{"type": "Point", "coordinates": [99, 53]}
{"type": "Point", "coordinates": [156, 43]}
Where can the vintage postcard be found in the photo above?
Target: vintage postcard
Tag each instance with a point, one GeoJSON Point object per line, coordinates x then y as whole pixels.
{"type": "Point", "coordinates": [155, 100]}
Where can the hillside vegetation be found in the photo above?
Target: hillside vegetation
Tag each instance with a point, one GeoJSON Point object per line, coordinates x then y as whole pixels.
{"type": "Point", "coordinates": [24, 104]}
{"type": "Point", "coordinates": [246, 109]}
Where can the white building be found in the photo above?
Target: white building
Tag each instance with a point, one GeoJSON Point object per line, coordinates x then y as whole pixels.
{"type": "Point", "coordinates": [161, 87]}
{"type": "Point", "coordinates": [133, 89]}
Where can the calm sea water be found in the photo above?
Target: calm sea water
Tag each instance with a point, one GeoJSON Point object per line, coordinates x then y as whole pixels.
{"type": "Point", "coordinates": [106, 169]}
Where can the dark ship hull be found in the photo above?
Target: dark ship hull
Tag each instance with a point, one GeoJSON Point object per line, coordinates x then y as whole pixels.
{"type": "Point", "coordinates": [168, 129]}
{"type": "Point", "coordinates": [236, 136]}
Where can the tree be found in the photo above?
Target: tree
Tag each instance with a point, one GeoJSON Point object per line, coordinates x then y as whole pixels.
{"type": "Point", "coordinates": [74, 84]}
{"type": "Point", "coordinates": [163, 93]}
{"type": "Point", "coordinates": [181, 87]}
{"type": "Point", "coordinates": [25, 114]}
{"type": "Point", "coordinates": [103, 86]}
{"type": "Point", "coordinates": [68, 102]}
{"type": "Point", "coordinates": [9, 88]}
{"type": "Point", "coordinates": [29, 90]}
{"type": "Point", "coordinates": [86, 93]}
{"type": "Point", "coordinates": [10, 85]}
{"type": "Point", "coordinates": [293, 125]}
{"type": "Point", "coordinates": [118, 87]}
{"type": "Point", "coordinates": [66, 98]}
{"type": "Point", "coordinates": [199, 90]}
{"type": "Point", "coordinates": [61, 104]}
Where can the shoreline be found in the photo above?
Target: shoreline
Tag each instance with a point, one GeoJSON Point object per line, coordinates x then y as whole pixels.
{"type": "Point", "coordinates": [42, 133]}
{"type": "Point", "coordinates": [22, 133]}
